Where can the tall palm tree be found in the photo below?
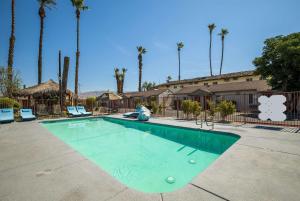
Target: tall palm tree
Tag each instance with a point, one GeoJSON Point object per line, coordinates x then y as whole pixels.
{"type": "Point", "coordinates": [79, 6]}
{"type": "Point", "coordinates": [12, 40]}
{"type": "Point", "coordinates": [180, 45]}
{"type": "Point", "coordinates": [120, 77]}
{"type": "Point", "coordinates": [42, 13]}
{"type": "Point", "coordinates": [223, 33]}
{"type": "Point", "coordinates": [141, 51]}
{"type": "Point", "coordinates": [211, 28]}
{"type": "Point", "coordinates": [117, 76]}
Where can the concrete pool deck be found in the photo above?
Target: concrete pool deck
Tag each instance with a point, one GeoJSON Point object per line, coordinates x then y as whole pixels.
{"type": "Point", "coordinates": [35, 166]}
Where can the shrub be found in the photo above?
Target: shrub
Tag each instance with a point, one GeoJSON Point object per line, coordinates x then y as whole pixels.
{"type": "Point", "coordinates": [211, 108]}
{"type": "Point", "coordinates": [196, 108]}
{"type": "Point", "coordinates": [226, 108]}
{"type": "Point", "coordinates": [9, 103]}
{"type": "Point", "coordinates": [187, 107]}
{"type": "Point", "coordinates": [154, 107]}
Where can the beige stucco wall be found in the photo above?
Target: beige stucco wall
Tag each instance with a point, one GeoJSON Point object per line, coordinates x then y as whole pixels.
{"type": "Point", "coordinates": [201, 83]}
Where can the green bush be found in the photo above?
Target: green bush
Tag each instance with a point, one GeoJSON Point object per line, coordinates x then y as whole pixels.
{"type": "Point", "coordinates": [191, 107]}
{"type": "Point", "coordinates": [196, 108]}
{"type": "Point", "coordinates": [226, 108]}
{"type": "Point", "coordinates": [211, 108]}
{"type": "Point", "coordinates": [186, 106]}
{"type": "Point", "coordinates": [9, 103]}
{"type": "Point", "coordinates": [154, 107]}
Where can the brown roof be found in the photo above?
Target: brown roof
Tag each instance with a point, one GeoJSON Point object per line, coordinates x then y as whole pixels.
{"type": "Point", "coordinates": [257, 85]}
{"type": "Point", "coordinates": [49, 87]}
{"type": "Point", "coordinates": [209, 78]}
{"type": "Point", "coordinates": [155, 92]}
{"type": "Point", "coordinates": [192, 89]}
{"type": "Point", "coordinates": [109, 96]}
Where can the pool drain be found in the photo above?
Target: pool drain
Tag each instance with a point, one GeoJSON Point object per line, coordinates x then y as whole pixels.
{"type": "Point", "coordinates": [170, 180]}
{"type": "Point", "coordinates": [192, 161]}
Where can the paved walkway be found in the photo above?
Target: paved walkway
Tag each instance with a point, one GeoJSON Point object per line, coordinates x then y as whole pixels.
{"type": "Point", "coordinates": [36, 166]}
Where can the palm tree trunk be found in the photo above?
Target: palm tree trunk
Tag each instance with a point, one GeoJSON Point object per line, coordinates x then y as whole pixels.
{"type": "Point", "coordinates": [179, 65]}
{"type": "Point", "coordinates": [77, 58]}
{"type": "Point", "coordinates": [40, 59]}
{"type": "Point", "coordinates": [140, 72]}
{"type": "Point", "coordinates": [210, 44]}
{"type": "Point", "coordinates": [64, 84]}
{"type": "Point", "coordinates": [11, 48]}
{"type": "Point", "coordinates": [60, 81]}
{"type": "Point", "coordinates": [122, 85]}
{"type": "Point", "coordinates": [222, 56]}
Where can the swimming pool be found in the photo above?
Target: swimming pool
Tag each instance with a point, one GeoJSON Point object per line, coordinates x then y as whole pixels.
{"type": "Point", "coordinates": [147, 157]}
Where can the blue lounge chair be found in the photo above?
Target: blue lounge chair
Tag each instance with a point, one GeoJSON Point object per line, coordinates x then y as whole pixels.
{"type": "Point", "coordinates": [6, 115]}
{"type": "Point", "coordinates": [26, 114]}
{"type": "Point", "coordinates": [73, 112]}
{"type": "Point", "coordinates": [134, 114]}
{"type": "Point", "coordinates": [82, 110]}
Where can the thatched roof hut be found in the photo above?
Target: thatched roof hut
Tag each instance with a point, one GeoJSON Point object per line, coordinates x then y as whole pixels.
{"type": "Point", "coordinates": [49, 88]}
{"type": "Point", "coordinates": [109, 96]}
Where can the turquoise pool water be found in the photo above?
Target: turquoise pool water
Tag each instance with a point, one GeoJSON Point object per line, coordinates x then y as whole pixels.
{"type": "Point", "coordinates": [147, 157]}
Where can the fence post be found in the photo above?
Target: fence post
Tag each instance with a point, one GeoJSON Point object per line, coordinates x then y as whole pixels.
{"type": "Point", "coordinates": [177, 105]}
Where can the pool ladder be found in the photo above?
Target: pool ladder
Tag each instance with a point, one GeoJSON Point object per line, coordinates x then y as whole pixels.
{"type": "Point", "coordinates": [208, 123]}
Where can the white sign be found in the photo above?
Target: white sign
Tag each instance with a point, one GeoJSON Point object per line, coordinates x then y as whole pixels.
{"type": "Point", "coordinates": [272, 108]}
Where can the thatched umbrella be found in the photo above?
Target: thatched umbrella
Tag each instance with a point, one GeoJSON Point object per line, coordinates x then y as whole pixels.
{"type": "Point", "coordinates": [109, 99]}
{"type": "Point", "coordinates": [45, 93]}
{"type": "Point", "coordinates": [46, 89]}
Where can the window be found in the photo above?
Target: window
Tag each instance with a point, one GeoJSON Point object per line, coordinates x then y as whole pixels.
{"type": "Point", "coordinates": [235, 78]}
{"type": "Point", "coordinates": [205, 84]}
{"type": "Point", "coordinates": [249, 79]}
{"type": "Point", "coordinates": [251, 99]}
{"type": "Point", "coordinates": [214, 83]}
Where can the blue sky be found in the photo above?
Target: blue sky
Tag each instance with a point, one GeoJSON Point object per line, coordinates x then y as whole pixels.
{"type": "Point", "coordinates": [111, 30]}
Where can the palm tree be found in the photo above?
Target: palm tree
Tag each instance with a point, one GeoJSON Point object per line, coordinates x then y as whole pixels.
{"type": "Point", "coordinates": [180, 45]}
{"type": "Point", "coordinates": [117, 76]}
{"type": "Point", "coordinates": [12, 40]}
{"type": "Point", "coordinates": [223, 33]}
{"type": "Point", "coordinates": [169, 78]}
{"type": "Point", "coordinates": [120, 77]}
{"type": "Point", "coordinates": [211, 27]}
{"type": "Point", "coordinates": [79, 6]}
{"type": "Point", "coordinates": [141, 51]}
{"type": "Point", "coordinates": [42, 14]}
{"type": "Point", "coordinates": [148, 85]}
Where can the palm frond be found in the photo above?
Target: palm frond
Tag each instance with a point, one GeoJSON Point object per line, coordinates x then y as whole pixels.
{"type": "Point", "coordinates": [211, 27]}
{"type": "Point", "coordinates": [79, 4]}
{"type": "Point", "coordinates": [223, 32]}
{"type": "Point", "coordinates": [180, 45]}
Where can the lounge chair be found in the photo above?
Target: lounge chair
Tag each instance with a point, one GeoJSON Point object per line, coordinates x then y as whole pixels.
{"type": "Point", "coordinates": [73, 112]}
{"type": "Point", "coordinates": [82, 110]}
{"type": "Point", "coordinates": [134, 114]}
{"type": "Point", "coordinates": [6, 115]}
{"type": "Point", "coordinates": [144, 115]}
{"type": "Point", "coordinates": [26, 114]}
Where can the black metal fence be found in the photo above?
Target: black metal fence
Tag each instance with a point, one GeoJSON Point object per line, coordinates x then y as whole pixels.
{"type": "Point", "coordinates": [246, 105]}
